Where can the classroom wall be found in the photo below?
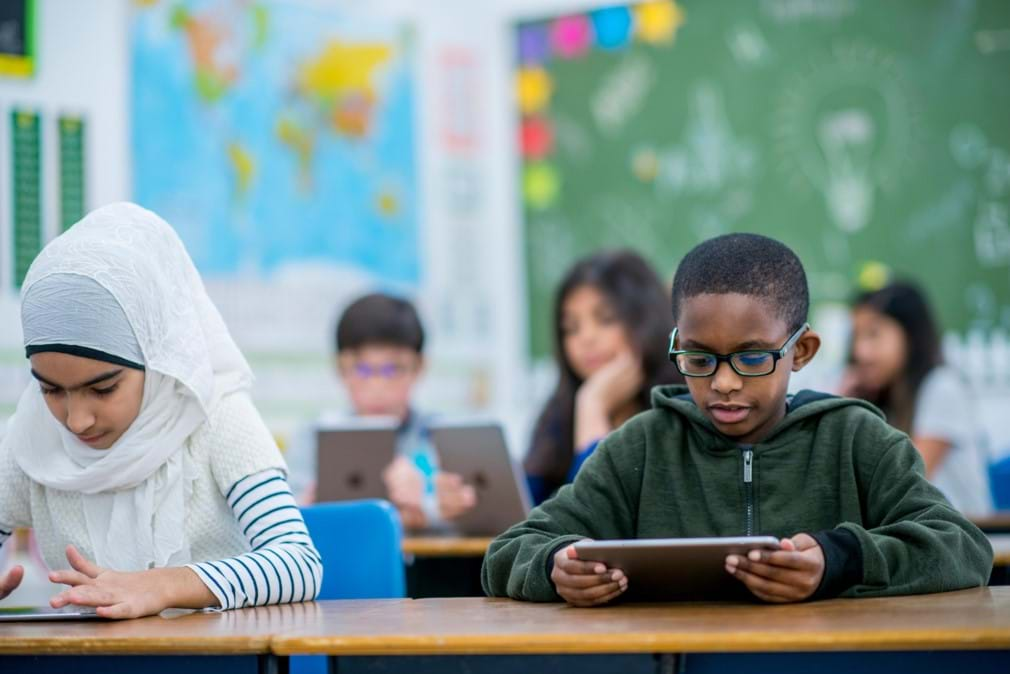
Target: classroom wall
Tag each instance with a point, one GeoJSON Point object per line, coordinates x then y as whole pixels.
{"type": "Point", "coordinates": [471, 291]}
{"type": "Point", "coordinates": [80, 69]}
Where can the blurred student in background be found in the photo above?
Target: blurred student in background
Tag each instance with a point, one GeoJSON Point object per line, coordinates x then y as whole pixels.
{"type": "Point", "coordinates": [380, 358]}
{"type": "Point", "coordinates": [611, 328]}
{"type": "Point", "coordinates": [895, 362]}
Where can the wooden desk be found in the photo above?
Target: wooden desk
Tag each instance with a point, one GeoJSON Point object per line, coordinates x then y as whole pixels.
{"type": "Point", "coordinates": [969, 620]}
{"type": "Point", "coordinates": [446, 546]}
{"type": "Point", "coordinates": [995, 523]}
{"type": "Point", "coordinates": [233, 641]}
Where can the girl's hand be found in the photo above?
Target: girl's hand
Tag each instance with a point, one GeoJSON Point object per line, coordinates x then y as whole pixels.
{"type": "Point", "coordinates": [614, 384]}
{"type": "Point", "coordinates": [10, 581]}
{"type": "Point", "coordinates": [454, 497]}
{"type": "Point", "coordinates": [602, 395]}
{"type": "Point", "coordinates": [116, 594]}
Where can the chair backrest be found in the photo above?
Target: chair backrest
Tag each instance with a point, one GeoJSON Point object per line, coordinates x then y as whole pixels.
{"type": "Point", "coordinates": [999, 480]}
{"type": "Point", "coordinates": [360, 542]}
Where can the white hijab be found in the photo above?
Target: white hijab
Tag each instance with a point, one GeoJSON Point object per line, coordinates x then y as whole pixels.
{"type": "Point", "coordinates": [120, 282]}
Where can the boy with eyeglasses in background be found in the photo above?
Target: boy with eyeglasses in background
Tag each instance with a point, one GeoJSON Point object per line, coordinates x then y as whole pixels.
{"type": "Point", "coordinates": [380, 359]}
{"type": "Point", "coordinates": [733, 454]}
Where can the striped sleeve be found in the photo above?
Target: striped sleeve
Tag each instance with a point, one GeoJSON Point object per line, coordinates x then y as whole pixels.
{"type": "Point", "coordinates": [282, 565]}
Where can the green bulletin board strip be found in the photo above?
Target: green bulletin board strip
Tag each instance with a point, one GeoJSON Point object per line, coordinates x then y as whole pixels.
{"type": "Point", "coordinates": [71, 132]}
{"type": "Point", "coordinates": [26, 155]}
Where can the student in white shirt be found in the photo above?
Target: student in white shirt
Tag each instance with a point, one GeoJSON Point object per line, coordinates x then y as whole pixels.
{"type": "Point", "coordinates": [896, 363]}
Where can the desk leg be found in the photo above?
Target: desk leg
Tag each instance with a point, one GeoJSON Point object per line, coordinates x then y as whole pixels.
{"type": "Point", "coordinates": [273, 664]}
{"type": "Point", "coordinates": [666, 663]}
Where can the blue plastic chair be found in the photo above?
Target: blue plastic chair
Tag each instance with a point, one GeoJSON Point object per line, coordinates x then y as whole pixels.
{"type": "Point", "coordinates": [999, 481]}
{"type": "Point", "coordinates": [360, 543]}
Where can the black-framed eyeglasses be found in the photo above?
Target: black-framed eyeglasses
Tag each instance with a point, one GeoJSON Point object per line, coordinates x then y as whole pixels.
{"type": "Point", "coordinates": [750, 363]}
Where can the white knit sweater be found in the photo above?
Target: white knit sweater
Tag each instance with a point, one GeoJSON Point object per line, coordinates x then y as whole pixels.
{"type": "Point", "coordinates": [232, 445]}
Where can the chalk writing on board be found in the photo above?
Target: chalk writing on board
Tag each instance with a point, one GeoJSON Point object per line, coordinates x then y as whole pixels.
{"type": "Point", "coordinates": [990, 41]}
{"type": "Point", "coordinates": [992, 235]}
{"type": "Point", "coordinates": [968, 145]}
{"type": "Point", "coordinates": [622, 93]}
{"type": "Point", "coordinates": [954, 204]}
{"type": "Point", "coordinates": [711, 156]}
{"type": "Point", "coordinates": [785, 11]}
{"type": "Point", "coordinates": [747, 44]}
{"type": "Point", "coordinates": [847, 138]}
{"type": "Point", "coordinates": [847, 126]}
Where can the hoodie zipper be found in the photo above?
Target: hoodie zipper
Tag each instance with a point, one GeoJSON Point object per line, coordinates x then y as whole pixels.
{"type": "Point", "coordinates": [748, 490]}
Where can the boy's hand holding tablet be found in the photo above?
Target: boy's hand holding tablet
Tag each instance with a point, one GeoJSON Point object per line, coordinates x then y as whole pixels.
{"type": "Point", "coordinates": [791, 573]}
{"type": "Point", "coordinates": [590, 573]}
{"type": "Point", "coordinates": [585, 583]}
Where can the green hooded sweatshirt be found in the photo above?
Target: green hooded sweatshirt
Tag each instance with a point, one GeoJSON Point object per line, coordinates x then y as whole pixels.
{"type": "Point", "coordinates": [832, 468]}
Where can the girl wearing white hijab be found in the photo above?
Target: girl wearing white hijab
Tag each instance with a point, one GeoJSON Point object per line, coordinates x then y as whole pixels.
{"type": "Point", "coordinates": [137, 455]}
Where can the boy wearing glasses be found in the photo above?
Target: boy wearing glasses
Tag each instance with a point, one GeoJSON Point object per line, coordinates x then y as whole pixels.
{"type": "Point", "coordinates": [732, 454]}
{"type": "Point", "coordinates": [380, 347]}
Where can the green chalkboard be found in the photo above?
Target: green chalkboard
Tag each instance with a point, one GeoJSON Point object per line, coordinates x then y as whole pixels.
{"type": "Point", "coordinates": [857, 131]}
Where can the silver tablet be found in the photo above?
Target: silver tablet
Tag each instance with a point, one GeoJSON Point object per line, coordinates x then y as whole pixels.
{"type": "Point", "coordinates": [478, 453]}
{"type": "Point", "coordinates": [39, 613]}
{"type": "Point", "coordinates": [350, 459]}
{"type": "Point", "coordinates": [676, 568]}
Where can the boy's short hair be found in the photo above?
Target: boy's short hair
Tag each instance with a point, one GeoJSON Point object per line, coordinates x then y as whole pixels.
{"type": "Point", "coordinates": [748, 264]}
{"type": "Point", "coordinates": [379, 320]}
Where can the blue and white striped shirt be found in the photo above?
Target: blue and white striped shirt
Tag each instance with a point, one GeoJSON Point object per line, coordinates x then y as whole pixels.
{"type": "Point", "coordinates": [282, 565]}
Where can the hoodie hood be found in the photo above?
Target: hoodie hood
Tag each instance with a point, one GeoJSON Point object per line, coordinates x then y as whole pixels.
{"type": "Point", "coordinates": [801, 406]}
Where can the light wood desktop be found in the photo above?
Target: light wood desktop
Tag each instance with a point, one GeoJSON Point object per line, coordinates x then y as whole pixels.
{"type": "Point", "coordinates": [445, 546]}
{"type": "Point", "coordinates": [969, 619]}
{"type": "Point", "coordinates": [174, 632]}
{"type": "Point", "coordinates": [965, 622]}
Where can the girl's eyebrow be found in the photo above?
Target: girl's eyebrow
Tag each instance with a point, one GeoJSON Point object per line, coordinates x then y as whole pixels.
{"type": "Point", "coordinates": [91, 382]}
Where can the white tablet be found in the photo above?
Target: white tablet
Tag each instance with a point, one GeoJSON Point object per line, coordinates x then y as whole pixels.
{"type": "Point", "coordinates": [676, 568]}
{"type": "Point", "coordinates": [37, 613]}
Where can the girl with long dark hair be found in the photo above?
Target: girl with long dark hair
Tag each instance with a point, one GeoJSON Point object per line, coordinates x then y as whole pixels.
{"type": "Point", "coordinates": [895, 362]}
{"type": "Point", "coordinates": [612, 321]}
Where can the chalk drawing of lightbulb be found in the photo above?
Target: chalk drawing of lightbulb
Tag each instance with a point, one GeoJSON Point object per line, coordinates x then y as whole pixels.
{"type": "Point", "coordinates": [846, 138]}
{"type": "Point", "coordinates": [846, 131]}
